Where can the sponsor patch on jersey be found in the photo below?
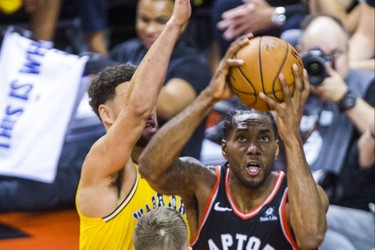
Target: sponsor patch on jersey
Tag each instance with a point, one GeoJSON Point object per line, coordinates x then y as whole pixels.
{"type": "Point", "coordinates": [268, 215]}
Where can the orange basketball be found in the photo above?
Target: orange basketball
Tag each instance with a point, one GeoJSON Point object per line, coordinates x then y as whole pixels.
{"type": "Point", "coordinates": [265, 57]}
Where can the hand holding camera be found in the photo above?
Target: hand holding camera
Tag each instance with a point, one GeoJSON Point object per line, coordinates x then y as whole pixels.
{"type": "Point", "coordinates": [325, 81]}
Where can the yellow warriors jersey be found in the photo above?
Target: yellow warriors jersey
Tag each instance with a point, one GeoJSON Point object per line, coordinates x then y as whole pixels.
{"type": "Point", "coordinates": [115, 231]}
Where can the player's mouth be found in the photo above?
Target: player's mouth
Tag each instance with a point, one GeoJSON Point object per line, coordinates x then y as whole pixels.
{"type": "Point", "coordinates": [253, 168]}
{"type": "Point", "coordinates": [150, 126]}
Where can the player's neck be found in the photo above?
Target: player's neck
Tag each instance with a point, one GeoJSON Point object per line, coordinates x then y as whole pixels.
{"type": "Point", "coordinates": [247, 198]}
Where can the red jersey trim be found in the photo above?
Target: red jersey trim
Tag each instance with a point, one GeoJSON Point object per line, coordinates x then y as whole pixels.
{"type": "Point", "coordinates": [209, 204]}
{"type": "Point", "coordinates": [284, 222]}
{"type": "Point", "coordinates": [255, 211]}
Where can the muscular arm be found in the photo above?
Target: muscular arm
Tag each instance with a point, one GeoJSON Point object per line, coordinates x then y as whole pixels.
{"type": "Point", "coordinates": [307, 203]}
{"type": "Point", "coordinates": [111, 153]}
{"type": "Point", "coordinates": [158, 162]}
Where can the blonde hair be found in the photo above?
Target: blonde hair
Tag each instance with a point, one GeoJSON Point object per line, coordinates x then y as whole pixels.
{"type": "Point", "coordinates": [162, 228]}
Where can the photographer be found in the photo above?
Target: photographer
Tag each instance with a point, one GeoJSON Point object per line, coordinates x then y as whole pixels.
{"type": "Point", "coordinates": [338, 112]}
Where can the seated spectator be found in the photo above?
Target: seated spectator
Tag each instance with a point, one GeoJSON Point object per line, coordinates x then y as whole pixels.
{"type": "Point", "coordinates": [339, 111]}
{"type": "Point", "coordinates": [188, 72]}
{"type": "Point", "coordinates": [232, 18]}
{"type": "Point", "coordinates": [162, 228]}
{"type": "Point", "coordinates": [93, 17]}
{"type": "Point", "coordinates": [44, 16]}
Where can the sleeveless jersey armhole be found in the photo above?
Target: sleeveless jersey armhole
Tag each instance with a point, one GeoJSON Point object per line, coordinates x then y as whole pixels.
{"type": "Point", "coordinates": [208, 205]}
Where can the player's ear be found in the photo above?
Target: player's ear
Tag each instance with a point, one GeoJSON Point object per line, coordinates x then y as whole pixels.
{"type": "Point", "coordinates": [224, 149]}
{"type": "Point", "coordinates": [105, 114]}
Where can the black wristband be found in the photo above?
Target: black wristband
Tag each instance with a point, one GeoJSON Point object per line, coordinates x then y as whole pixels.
{"type": "Point", "coordinates": [347, 102]}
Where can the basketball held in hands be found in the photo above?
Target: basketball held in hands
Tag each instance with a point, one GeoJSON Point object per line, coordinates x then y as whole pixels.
{"type": "Point", "coordinates": [265, 57]}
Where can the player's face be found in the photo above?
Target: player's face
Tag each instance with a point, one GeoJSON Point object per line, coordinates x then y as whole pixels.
{"type": "Point", "coordinates": [251, 148]}
{"type": "Point", "coordinates": [151, 18]}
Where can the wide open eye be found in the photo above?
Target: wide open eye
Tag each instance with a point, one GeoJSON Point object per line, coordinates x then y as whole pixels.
{"type": "Point", "coordinates": [264, 138]}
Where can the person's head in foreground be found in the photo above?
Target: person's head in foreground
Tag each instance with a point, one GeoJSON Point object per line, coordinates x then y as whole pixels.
{"type": "Point", "coordinates": [161, 229]}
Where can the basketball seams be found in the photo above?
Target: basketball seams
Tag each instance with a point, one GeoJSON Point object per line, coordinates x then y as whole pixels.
{"type": "Point", "coordinates": [248, 81]}
{"type": "Point", "coordinates": [238, 91]}
{"type": "Point", "coordinates": [278, 72]}
{"type": "Point", "coordinates": [253, 77]}
{"type": "Point", "coordinates": [261, 70]}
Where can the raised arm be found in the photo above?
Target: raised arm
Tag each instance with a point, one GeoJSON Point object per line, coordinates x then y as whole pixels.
{"type": "Point", "coordinates": [159, 162]}
{"type": "Point", "coordinates": [307, 202]}
{"type": "Point", "coordinates": [125, 118]}
{"type": "Point", "coordinates": [140, 96]}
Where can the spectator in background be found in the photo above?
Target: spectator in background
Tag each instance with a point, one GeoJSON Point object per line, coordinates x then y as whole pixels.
{"type": "Point", "coordinates": [45, 15]}
{"type": "Point", "coordinates": [93, 17]}
{"type": "Point", "coordinates": [188, 71]}
{"type": "Point", "coordinates": [351, 213]}
{"type": "Point", "coordinates": [339, 111]}
{"type": "Point", "coordinates": [232, 18]}
{"type": "Point", "coordinates": [358, 19]}
{"type": "Point", "coordinates": [162, 228]}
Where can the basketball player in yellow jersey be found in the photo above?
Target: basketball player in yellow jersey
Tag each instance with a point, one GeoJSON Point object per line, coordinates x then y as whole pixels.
{"type": "Point", "coordinates": [111, 195]}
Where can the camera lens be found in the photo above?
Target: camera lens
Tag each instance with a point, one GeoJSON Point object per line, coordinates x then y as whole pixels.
{"type": "Point", "coordinates": [314, 63]}
{"type": "Point", "coordinates": [315, 69]}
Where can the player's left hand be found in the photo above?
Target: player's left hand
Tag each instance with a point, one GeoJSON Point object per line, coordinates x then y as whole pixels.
{"type": "Point", "coordinates": [290, 111]}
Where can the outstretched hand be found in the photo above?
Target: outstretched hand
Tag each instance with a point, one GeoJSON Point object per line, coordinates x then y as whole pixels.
{"type": "Point", "coordinates": [219, 84]}
{"type": "Point", "coordinates": [181, 12]}
{"type": "Point", "coordinates": [290, 111]}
